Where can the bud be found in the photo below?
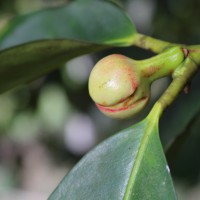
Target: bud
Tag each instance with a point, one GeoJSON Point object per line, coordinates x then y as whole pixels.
{"type": "Point", "coordinates": [113, 85]}
{"type": "Point", "coordinates": [120, 86]}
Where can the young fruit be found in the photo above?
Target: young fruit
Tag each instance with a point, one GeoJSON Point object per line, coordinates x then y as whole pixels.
{"type": "Point", "coordinates": [120, 86]}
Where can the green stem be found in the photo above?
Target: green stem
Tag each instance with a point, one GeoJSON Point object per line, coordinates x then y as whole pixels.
{"type": "Point", "coordinates": [179, 82]}
{"type": "Point", "coordinates": [149, 43]}
{"type": "Point", "coordinates": [162, 64]}
{"type": "Point", "coordinates": [181, 75]}
{"type": "Point", "coordinates": [194, 51]}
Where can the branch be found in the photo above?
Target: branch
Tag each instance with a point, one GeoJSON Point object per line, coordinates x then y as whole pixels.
{"type": "Point", "coordinates": [152, 44]}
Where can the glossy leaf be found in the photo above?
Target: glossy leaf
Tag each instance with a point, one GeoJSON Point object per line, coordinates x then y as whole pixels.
{"type": "Point", "coordinates": [95, 21]}
{"type": "Point", "coordinates": [27, 62]}
{"type": "Point", "coordinates": [80, 20]}
{"type": "Point", "coordinates": [128, 166]}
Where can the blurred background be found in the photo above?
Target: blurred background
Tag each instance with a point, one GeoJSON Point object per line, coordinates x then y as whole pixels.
{"type": "Point", "coordinates": [48, 125]}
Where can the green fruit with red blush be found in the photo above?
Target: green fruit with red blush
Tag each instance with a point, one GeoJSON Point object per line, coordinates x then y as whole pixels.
{"type": "Point", "coordinates": [120, 86]}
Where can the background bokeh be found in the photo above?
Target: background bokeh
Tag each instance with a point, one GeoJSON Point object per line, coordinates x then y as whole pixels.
{"type": "Point", "coordinates": [48, 125]}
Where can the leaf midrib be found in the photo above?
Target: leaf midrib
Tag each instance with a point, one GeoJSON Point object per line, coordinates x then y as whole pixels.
{"type": "Point", "coordinates": [145, 139]}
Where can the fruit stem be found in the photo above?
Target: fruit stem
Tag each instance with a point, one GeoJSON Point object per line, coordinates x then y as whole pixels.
{"type": "Point", "coordinates": [162, 64]}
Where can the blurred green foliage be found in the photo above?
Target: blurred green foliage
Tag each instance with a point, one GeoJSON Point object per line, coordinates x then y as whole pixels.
{"type": "Point", "coordinates": [36, 114]}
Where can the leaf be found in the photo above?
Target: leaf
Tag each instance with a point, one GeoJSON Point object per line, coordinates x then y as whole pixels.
{"type": "Point", "coordinates": [128, 166]}
{"type": "Point", "coordinates": [180, 114]}
{"type": "Point", "coordinates": [93, 21]}
{"type": "Point", "coordinates": [80, 20]}
{"type": "Point", "coordinates": [27, 62]}
{"type": "Point", "coordinates": [187, 155]}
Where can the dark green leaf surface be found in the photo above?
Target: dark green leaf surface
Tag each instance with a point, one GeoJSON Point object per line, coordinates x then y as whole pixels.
{"type": "Point", "coordinates": [80, 20]}
{"type": "Point", "coordinates": [180, 114]}
{"type": "Point", "coordinates": [27, 62]}
{"type": "Point", "coordinates": [128, 166]}
{"type": "Point", "coordinates": [95, 21]}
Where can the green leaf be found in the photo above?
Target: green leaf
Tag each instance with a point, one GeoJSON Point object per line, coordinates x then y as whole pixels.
{"type": "Point", "coordinates": [128, 166]}
{"type": "Point", "coordinates": [81, 20]}
{"type": "Point", "coordinates": [180, 114]}
{"type": "Point", "coordinates": [27, 62]}
{"type": "Point", "coordinates": [93, 21]}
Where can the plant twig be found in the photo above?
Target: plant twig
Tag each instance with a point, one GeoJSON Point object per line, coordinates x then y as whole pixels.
{"type": "Point", "coordinates": [189, 67]}
{"type": "Point", "coordinates": [152, 44]}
